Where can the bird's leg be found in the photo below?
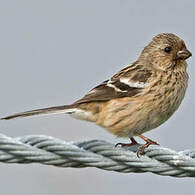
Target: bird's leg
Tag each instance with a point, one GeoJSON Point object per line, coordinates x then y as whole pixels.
{"type": "Point", "coordinates": [133, 142]}
{"type": "Point", "coordinates": [148, 143]}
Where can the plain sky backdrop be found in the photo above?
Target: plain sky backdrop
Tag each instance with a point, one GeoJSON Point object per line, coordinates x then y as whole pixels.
{"type": "Point", "coordinates": [53, 52]}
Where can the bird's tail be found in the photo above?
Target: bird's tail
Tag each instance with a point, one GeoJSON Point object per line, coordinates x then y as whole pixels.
{"type": "Point", "coordinates": [44, 111]}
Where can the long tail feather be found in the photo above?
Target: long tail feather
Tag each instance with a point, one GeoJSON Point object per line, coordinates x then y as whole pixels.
{"type": "Point", "coordinates": [50, 110]}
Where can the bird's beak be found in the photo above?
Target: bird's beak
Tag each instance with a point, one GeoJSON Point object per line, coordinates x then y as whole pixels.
{"type": "Point", "coordinates": [183, 54]}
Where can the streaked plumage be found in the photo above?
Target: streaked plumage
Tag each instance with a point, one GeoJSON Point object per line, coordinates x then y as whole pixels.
{"type": "Point", "coordinates": [138, 98]}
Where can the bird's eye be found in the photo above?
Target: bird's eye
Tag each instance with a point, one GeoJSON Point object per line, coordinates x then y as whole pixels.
{"type": "Point", "coordinates": [167, 49]}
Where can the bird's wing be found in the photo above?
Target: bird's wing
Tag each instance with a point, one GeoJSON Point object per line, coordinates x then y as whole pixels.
{"type": "Point", "coordinates": [129, 82]}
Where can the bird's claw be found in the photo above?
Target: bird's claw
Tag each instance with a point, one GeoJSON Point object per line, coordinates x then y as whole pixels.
{"type": "Point", "coordinates": [141, 149]}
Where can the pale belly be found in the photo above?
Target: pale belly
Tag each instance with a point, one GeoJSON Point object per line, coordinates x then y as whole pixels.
{"type": "Point", "coordinates": [164, 109]}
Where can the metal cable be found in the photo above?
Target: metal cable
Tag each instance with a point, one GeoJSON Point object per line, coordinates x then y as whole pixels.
{"type": "Point", "coordinates": [96, 153]}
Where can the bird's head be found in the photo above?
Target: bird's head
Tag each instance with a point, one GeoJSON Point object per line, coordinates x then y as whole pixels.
{"type": "Point", "coordinates": [165, 51]}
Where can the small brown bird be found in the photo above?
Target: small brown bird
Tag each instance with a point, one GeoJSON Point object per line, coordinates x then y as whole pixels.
{"type": "Point", "coordinates": [138, 98]}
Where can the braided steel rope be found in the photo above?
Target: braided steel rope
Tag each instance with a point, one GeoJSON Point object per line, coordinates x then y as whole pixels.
{"type": "Point", "coordinates": [96, 153]}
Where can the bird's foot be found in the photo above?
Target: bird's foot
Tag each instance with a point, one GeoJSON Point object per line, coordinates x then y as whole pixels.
{"type": "Point", "coordinates": [133, 142]}
{"type": "Point", "coordinates": [146, 145]}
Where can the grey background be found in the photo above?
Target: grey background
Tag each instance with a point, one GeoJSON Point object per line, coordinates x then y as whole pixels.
{"type": "Point", "coordinates": [53, 52]}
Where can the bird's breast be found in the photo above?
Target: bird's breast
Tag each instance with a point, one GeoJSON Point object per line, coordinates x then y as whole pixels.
{"type": "Point", "coordinates": [167, 97]}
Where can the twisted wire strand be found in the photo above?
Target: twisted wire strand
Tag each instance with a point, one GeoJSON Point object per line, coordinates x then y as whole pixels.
{"type": "Point", "coordinates": [96, 153]}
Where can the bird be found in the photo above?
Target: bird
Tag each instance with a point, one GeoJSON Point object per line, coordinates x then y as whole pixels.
{"type": "Point", "coordinates": [137, 99]}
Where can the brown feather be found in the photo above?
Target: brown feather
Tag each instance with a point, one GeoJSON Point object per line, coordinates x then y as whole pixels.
{"type": "Point", "coordinates": [104, 93]}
